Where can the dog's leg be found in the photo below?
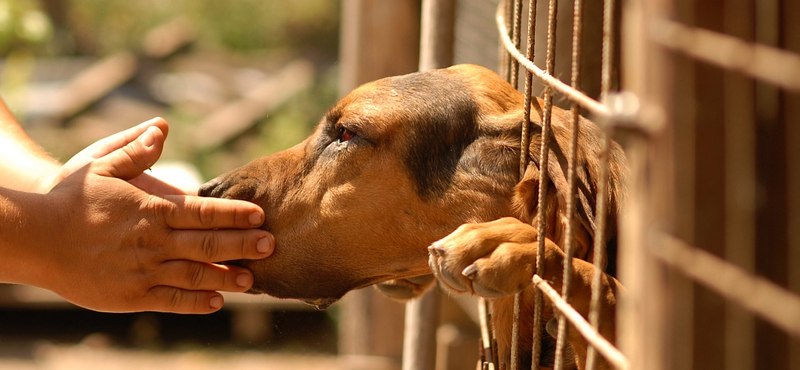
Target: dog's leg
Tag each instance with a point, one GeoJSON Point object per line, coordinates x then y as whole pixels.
{"type": "Point", "coordinates": [498, 258]}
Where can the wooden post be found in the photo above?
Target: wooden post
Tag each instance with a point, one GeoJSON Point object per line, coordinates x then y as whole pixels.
{"type": "Point", "coordinates": [378, 39]}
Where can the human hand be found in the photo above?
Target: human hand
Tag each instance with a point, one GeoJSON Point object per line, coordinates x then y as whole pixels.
{"type": "Point", "coordinates": [122, 248]}
{"type": "Point", "coordinates": [108, 145]}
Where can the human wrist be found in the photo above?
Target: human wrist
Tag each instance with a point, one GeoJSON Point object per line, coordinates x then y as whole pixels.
{"type": "Point", "coordinates": [24, 228]}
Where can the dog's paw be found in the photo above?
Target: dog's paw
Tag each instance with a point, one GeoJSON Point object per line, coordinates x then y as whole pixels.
{"type": "Point", "coordinates": [491, 259]}
{"type": "Point", "coordinates": [405, 289]}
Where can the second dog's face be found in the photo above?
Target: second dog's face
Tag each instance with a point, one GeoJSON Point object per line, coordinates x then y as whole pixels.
{"type": "Point", "coordinates": [394, 166]}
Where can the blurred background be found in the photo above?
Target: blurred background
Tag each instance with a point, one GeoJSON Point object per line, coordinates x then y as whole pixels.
{"type": "Point", "coordinates": [236, 80]}
{"type": "Point", "coordinates": [75, 71]}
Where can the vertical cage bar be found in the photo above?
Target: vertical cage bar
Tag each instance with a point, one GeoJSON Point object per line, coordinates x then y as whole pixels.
{"type": "Point", "coordinates": [642, 327]}
{"type": "Point", "coordinates": [514, 80]}
{"type": "Point", "coordinates": [602, 188]}
{"type": "Point", "coordinates": [544, 155]}
{"type": "Point", "coordinates": [422, 314]}
{"type": "Point", "coordinates": [577, 28]}
{"type": "Point", "coordinates": [507, 60]}
{"type": "Point", "coordinates": [740, 190]}
{"type": "Point", "coordinates": [516, 38]}
{"type": "Point", "coordinates": [523, 165]}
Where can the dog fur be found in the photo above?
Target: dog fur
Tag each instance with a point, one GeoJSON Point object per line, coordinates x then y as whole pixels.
{"type": "Point", "coordinates": [379, 192]}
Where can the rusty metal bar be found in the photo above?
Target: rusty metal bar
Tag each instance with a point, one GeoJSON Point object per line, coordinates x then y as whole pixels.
{"type": "Point", "coordinates": [602, 186]}
{"type": "Point", "coordinates": [592, 106]}
{"type": "Point", "coordinates": [740, 191]}
{"type": "Point", "coordinates": [543, 164]}
{"type": "Point", "coordinates": [569, 249]}
{"type": "Point", "coordinates": [486, 335]}
{"type": "Point", "coordinates": [516, 30]}
{"type": "Point", "coordinates": [515, 35]}
{"type": "Point", "coordinates": [613, 355]}
{"type": "Point", "coordinates": [524, 158]}
{"type": "Point", "coordinates": [754, 293]}
{"type": "Point", "coordinates": [765, 63]}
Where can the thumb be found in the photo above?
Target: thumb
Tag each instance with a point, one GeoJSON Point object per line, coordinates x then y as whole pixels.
{"type": "Point", "coordinates": [132, 159]}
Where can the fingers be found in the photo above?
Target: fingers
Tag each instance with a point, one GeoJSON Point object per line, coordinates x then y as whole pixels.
{"type": "Point", "coordinates": [191, 287]}
{"type": "Point", "coordinates": [110, 144]}
{"type": "Point", "coordinates": [132, 159]}
{"type": "Point", "coordinates": [220, 245]}
{"type": "Point", "coordinates": [175, 300]}
{"type": "Point", "coordinates": [190, 275]}
{"type": "Point", "coordinates": [191, 212]}
{"type": "Point", "coordinates": [153, 185]}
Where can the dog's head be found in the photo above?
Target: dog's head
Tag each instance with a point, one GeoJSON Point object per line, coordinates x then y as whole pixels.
{"type": "Point", "coordinates": [395, 165]}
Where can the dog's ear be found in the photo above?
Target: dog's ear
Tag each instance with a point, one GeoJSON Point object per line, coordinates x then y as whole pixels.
{"type": "Point", "coordinates": [526, 195]}
{"type": "Point", "coordinates": [404, 289]}
{"type": "Point", "coordinates": [525, 206]}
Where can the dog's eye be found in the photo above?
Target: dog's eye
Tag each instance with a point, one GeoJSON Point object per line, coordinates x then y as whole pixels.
{"type": "Point", "coordinates": [345, 134]}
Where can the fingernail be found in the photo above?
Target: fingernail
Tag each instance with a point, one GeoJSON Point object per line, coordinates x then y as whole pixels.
{"type": "Point", "coordinates": [255, 219]}
{"type": "Point", "coordinates": [470, 271]}
{"type": "Point", "coordinates": [244, 280]}
{"type": "Point", "coordinates": [215, 302]}
{"type": "Point", "coordinates": [148, 137]}
{"type": "Point", "coordinates": [264, 245]}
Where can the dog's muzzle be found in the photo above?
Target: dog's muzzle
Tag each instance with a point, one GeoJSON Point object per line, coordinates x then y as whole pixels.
{"type": "Point", "coordinates": [320, 304]}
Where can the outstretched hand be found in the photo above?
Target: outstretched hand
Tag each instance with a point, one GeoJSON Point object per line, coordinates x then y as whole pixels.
{"type": "Point", "coordinates": [117, 239]}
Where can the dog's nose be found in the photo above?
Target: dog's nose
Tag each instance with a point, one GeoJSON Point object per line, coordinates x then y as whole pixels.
{"type": "Point", "coordinates": [209, 189]}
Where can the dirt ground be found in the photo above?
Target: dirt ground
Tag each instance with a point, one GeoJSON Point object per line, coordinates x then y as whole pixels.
{"type": "Point", "coordinates": [89, 357]}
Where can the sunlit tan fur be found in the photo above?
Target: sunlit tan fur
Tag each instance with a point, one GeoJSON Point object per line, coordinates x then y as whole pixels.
{"type": "Point", "coordinates": [431, 151]}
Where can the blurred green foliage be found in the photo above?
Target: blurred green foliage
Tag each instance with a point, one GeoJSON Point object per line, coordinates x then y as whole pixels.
{"type": "Point", "coordinates": [262, 31]}
{"type": "Point", "coordinates": [240, 25]}
{"type": "Point", "coordinates": [23, 24]}
{"type": "Point", "coordinates": [101, 26]}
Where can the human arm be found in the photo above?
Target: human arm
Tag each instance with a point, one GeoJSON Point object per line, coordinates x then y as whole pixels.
{"type": "Point", "coordinates": [25, 164]}
{"type": "Point", "coordinates": [103, 243]}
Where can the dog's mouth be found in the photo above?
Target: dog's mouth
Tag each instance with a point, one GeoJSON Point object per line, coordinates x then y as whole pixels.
{"type": "Point", "coordinates": [320, 304]}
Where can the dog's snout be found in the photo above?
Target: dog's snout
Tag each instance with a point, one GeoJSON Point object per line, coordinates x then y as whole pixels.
{"type": "Point", "coordinates": [209, 189]}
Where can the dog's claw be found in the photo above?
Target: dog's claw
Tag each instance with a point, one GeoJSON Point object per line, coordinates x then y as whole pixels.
{"type": "Point", "coordinates": [470, 271]}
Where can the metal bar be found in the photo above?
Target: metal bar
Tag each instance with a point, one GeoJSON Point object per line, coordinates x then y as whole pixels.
{"type": "Point", "coordinates": [592, 106]}
{"type": "Point", "coordinates": [765, 63]}
{"type": "Point", "coordinates": [486, 333]}
{"type": "Point", "coordinates": [753, 293]}
{"type": "Point", "coordinates": [613, 355]}
{"type": "Point", "coordinates": [543, 161]}
{"type": "Point", "coordinates": [740, 190]}
{"type": "Point", "coordinates": [515, 34]}
{"type": "Point", "coordinates": [569, 249]}
{"type": "Point", "coordinates": [422, 314]}
{"type": "Point", "coordinates": [508, 10]}
{"type": "Point", "coordinates": [601, 206]}
{"type": "Point", "coordinates": [523, 165]}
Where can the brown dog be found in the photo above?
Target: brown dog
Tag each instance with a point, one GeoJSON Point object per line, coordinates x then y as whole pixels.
{"type": "Point", "coordinates": [401, 163]}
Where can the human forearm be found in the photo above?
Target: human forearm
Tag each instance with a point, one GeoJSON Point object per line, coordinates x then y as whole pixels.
{"type": "Point", "coordinates": [21, 228]}
{"type": "Point", "coordinates": [25, 164]}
